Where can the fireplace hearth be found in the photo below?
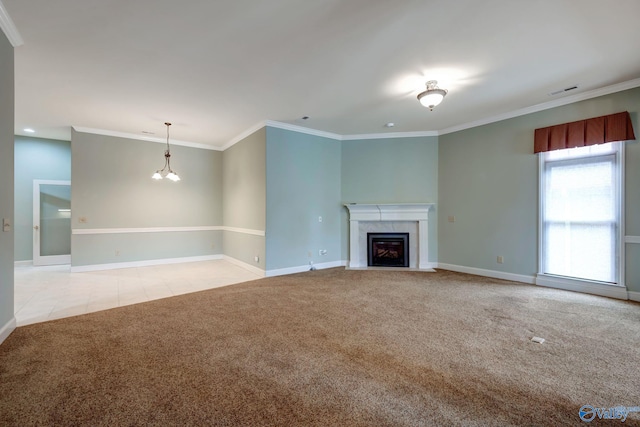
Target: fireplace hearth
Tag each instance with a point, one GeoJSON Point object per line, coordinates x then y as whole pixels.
{"type": "Point", "coordinates": [388, 249]}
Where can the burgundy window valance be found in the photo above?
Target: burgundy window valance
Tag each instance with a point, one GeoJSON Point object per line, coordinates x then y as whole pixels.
{"type": "Point", "coordinates": [598, 130]}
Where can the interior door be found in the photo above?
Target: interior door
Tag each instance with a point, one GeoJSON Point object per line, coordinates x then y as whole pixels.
{"type": "Point", "coordinates": [51, 222]}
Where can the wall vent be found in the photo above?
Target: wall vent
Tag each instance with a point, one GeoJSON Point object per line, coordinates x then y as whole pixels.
{"type": "Point", "coordinates": [558, 92]}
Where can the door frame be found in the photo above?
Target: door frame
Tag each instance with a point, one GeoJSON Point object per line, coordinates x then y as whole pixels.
{"type": "Point", "coordinates": [39, 260]}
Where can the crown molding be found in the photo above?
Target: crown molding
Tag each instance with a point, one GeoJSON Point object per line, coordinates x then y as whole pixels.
{"type": "Point", "coordinates": [607, 90]}
{"type": "Point", "coordinates": [243, 135]}
{"type": "Point", "coordinates": [323, 134]}
{"type": "Point", "coordinates": [390, 135]}
{"type": "Point", "coordinates": [619, 87]}
{"type": "Point", "coordinates": [302, 129]}
{"type": "Point", "coordinates": [144, 138]}
{"type": "Point", "coordinates": [9, 28]}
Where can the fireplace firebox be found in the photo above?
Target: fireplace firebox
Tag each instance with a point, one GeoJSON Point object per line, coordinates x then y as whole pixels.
{"type": "Point", "coordinates": [388, 249]}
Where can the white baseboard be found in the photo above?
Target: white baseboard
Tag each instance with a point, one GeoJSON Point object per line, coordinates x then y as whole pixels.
{"type": "Point", "coordinates": [424, 270]}
{"type": "Point", "coordinates": [6, 330]}
{"type": "Point", "coordinates": [489, 273]}
{"type": "Point", "coordinates": [146, 263]}
{"type": "Point", "coordinates": [610, 291]}
{"type": "Point", "coordinates": [246, 266]}
{"type": "Point", "coordinates": [303, 268]}
{"type": "Point", "coordinates": [634, 296]}
{"type": "Point", "coordinates": [27, 263]}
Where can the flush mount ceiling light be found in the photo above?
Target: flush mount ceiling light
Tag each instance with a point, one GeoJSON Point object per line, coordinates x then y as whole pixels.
{"type": "Point", "coordinates": [432, 96]}
{"type": "Point", "coordinates": [166, 170]}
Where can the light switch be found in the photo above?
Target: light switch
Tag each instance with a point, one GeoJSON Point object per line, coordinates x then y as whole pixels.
{"type": "Point", "coordinates": [6, 225]}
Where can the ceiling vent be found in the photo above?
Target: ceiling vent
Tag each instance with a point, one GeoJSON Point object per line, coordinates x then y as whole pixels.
{"type": "Point", "coordinates": [558, 92]}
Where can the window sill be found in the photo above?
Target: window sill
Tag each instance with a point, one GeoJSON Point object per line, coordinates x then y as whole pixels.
{"type": "Point", "coordinates": [585, 286]}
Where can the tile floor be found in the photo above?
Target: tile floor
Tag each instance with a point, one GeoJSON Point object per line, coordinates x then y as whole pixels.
{"type": "Point", "coordinates": [47, 293]}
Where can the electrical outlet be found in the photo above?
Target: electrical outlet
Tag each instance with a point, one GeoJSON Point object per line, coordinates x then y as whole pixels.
{"type": "Point", "coordinates": [319, 219]}
{"type": "Point", "coordinates": [256, 258]}
{"type": "Point", "coordinates": [500, 259]}
{"type": "Point", "coordinates": [322, 252]}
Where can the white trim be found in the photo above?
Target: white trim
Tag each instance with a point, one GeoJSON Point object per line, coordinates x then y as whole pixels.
{"type": "Point", "coordinates": [143, 230]}
{"type": "Point", "coordinates": [611, 291]}
{"type": "Point", "coordinates": [412, 212]}
{"type": "Point", "coordinates": [303, 268]}
{"type": "Point", "coordinates": [38, 259]}
{"type": "Point", "coordinates": [428, 268]}
{"type": "Point", "coordinates": [619, 87]}
{"type": "Point", "coordinates": [146, 263]}
{"type": "Point", "coordinates": [244, 231]}
{"type": "Point", "coordinates": [9, 28]}
{"type": "Point", "coordinates": [489, 273]}
{"type": "Point", "coordinates": [632, 239]}
{"type": "Point", "coordinates": [21, 264]}
{"type": "Point", "coordinates": [243, 135]}
{"type": "Point", "coordinates": [323, 134]}
{"type": "Point", "coordinates": [256, 270]}
{"type": "Point", "coordinates": [634, 296]}
{"type": "Point", "coordinates": [617, 150]}
{"type": "Point", "coordinates": [51, 182]}
{"type": "Point", "coordinates": [622, 247]}
{"type": "Point", "coordinates": [165, 230]}
{"type": "Point", "coordinates": [6, 330]}
{"type": "Point", "coordinates": [390, 135]}
{"type": "Point", "coordinates": [607, 90]}
{"type": "Point", "coordinates": [389, 212]}
{"type": "Point", "coordinates": [127, 135]}
{"type": "Point", "coordinates": [302, 129]}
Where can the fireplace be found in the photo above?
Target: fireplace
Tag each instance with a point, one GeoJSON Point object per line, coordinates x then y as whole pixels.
{"type": "Point", "coordinates": [412, 218]}
{"type": "Point", "coordinates": [388, 249]}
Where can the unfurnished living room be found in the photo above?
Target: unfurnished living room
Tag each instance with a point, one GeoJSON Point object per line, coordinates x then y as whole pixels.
{"type": "Point", "coordinates": [330, 212]}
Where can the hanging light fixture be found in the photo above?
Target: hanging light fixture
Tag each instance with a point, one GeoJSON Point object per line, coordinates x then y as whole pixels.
{"type": "Point", "coordinates": [166, 170]}
{"type": "Point", "coordinates": [432, 96]}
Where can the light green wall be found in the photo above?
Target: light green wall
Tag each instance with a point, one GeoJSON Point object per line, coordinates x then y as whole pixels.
{"type": "Point", "coordinates": [488, 180]}
{"type": "Point", "coordinates": [111, 187]}
{"type": "Point", "coordinates": [394, 170]}
{"type": "Point", "coordinates": [6, 179]}
{"type": "Point", "coordinates": [35, 158]}
{"type": "Point", "coordinates": [303, 183]}
{"type": "Point", "coordinates": [244, 198]}
{"type": "Point", "coordinates": [101, 248]}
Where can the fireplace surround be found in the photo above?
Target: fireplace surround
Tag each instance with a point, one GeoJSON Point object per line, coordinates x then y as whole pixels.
{"type": "Point", "coordinates": [411, 218]}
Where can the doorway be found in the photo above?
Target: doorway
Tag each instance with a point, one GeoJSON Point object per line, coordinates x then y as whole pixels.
{"type": "Point", "coordinates": [51, 222]}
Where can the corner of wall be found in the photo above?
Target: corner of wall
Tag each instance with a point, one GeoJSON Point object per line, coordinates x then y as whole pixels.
{"type": "Point", "coordinates": [6, 330]}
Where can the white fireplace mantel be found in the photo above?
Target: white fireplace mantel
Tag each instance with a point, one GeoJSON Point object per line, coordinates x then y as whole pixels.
{"type": "Point", "coordinates": [415, 213]}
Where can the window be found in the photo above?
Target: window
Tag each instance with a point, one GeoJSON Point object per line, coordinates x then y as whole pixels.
{"type": "Point", "coordinates": [581, 213]}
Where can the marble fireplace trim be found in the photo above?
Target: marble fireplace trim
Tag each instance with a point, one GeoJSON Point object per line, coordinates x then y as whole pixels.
{"type": "Point", "coordinates": [405, 218]}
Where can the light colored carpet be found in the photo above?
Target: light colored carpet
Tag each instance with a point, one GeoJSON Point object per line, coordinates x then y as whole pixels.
{"type": "Point", "coordinates": [331, 347]}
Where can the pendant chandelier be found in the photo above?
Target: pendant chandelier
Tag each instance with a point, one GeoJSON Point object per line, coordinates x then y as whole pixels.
{"type": "Point", "coordinates": [432, 96]}
{"type": "Point", "coordinates": [166, 170]}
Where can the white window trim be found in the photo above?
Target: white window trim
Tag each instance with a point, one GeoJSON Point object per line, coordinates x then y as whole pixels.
{"type": "Point", "coordinates": [617, 290]}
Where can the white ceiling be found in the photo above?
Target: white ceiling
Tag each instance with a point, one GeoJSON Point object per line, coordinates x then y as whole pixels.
{"type": "Point", "coordinates": [217, 68]}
